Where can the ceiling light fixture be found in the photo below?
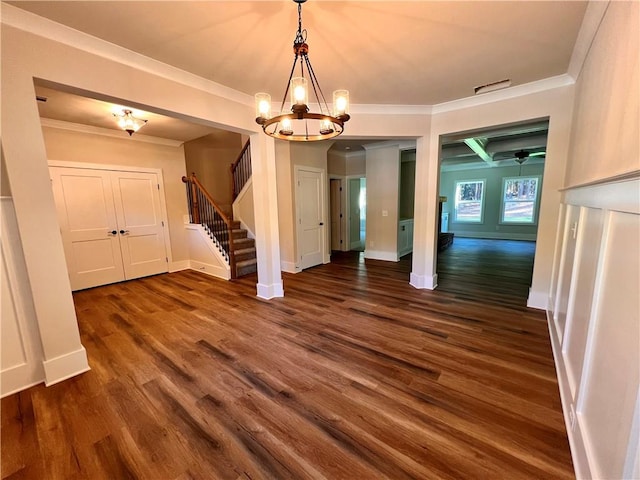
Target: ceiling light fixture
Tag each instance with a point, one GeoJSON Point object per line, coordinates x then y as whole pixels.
{"type": "Point", "coordinates": [298, 123]}
{"type": "Point", "coordinates": [128, 122]}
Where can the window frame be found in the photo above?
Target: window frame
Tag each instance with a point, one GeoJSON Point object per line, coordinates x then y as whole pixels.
{"type": "Point", "coordinates": [536, 201]}
{"type": "Point", "coordinates": [482, 201]}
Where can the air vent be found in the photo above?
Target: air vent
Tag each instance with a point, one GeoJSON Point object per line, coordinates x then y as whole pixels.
{"type": "Point", "coordinates": [490, 87]}
{"type": "Point", "coordinates": [40, 98]}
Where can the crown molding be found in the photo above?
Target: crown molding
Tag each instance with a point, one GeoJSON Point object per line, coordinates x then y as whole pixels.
{"type": "Point", "coordinates": [506, 94]}
{"type": "Point", "coordinates": [43, 27]}
{"type": "Point", "coordinates": [591, 21]}
{"type": "Point", "coordinates": [401, 144]}
{"type": "Point", "coordinates": [106, 132]}
{"type": "Point", "coordinates": [372, 109]}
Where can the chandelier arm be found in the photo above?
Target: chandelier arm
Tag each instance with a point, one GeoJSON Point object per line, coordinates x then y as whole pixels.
{"type": "Point", "coordinates": [314, 84]}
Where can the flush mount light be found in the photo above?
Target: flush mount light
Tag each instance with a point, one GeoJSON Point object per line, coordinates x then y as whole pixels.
{"type": "Point", "coordinates": [297, 123]}
{"type": "Point", "coordinates": [128, 122]}
{"type": "Point", "coordinates": [491, 87]}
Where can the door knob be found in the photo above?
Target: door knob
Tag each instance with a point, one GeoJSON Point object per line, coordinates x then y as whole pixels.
{"type": "Point", "coordinates": [321, 223]}
{"type": "Point", "coordinates": [112, 232]}
{"type": "Point", "coordinates": [124, 232]}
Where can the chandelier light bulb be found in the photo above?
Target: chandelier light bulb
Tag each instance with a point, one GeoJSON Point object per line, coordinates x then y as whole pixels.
{"type": "Point", "coordinates": [128, 122]}
{"type": "Point", "coordinates": [286, 129]}
{"type": "Point", "coordinates": [263, 107]}
{"type": "Point", "coordinates": [341, 102]}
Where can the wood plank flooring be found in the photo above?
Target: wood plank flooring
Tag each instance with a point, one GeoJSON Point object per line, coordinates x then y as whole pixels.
{"type": "Point", "coordinates": [353, 375]}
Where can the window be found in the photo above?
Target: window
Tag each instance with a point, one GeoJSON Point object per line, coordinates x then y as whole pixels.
{"type": "Point", "coordinates": [469, 201]}
{"type": "Point", "coordinates": [519, 200]}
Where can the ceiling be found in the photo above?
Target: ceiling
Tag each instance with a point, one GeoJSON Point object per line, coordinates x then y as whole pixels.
{"type": "Point", "coordinates": [383, 52]}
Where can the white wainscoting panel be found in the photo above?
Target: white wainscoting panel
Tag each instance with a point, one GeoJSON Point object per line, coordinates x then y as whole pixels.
{"type": "Point", "coordinates": [594, 323]}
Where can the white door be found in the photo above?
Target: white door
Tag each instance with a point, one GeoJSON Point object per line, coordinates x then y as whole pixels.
{"type": "Point", "coordinates": [310, 202]}
{"type": "Point", "coordinates": [86, 213]}
{"type": "Point", "coordinates": [137, 204]}
{"type": "Point", "coordinates": [110, 223]}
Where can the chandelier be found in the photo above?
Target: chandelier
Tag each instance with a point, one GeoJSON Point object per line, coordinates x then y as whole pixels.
{"type": "Point", "coordinates": [298, 123]}
{"type": "Point", "coordinates": [128, 122]}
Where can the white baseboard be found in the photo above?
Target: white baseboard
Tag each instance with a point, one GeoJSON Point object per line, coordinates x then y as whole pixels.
{"type": "Point", "coordinates": [539, 300]}
{"type": "Point", "coordinates": [178, 266]}
{"type": "Point", "coordinates": [20, 377]}
{"type": "Point", "coordinates": [275, 290]}
{"type": "Point", "coordinates": [496, 235]}
{"type": "Point", "coordinates": [65, 366]}
{"type": "Point", "coordinates": [289, 267]}
{"type": "Point", "coordinates": [213, 270]}
{"type": "Point", "coordinates": [381, 255]}
{"type": "Point", "coordinates": [428, 282]}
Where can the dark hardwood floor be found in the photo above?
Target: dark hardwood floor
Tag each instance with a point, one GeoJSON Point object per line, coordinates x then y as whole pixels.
{"type": "Point", "coordinates": [353, 375]}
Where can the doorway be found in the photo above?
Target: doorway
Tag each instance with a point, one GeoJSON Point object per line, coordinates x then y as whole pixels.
{"type": "Point", "coordinates": [357, 213]}
{"type": "Point", "coordinates": [335, 206]}
{"type": "Point", "coordinates": [310, 216]}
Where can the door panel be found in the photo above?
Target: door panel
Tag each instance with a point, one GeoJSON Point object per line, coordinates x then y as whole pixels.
{"type": "Point", "coordinates": [310, 218]}
{"type": "Point", "coordinates": [137, 206]}
{"type": "Point", "coordinates": [84, 203]}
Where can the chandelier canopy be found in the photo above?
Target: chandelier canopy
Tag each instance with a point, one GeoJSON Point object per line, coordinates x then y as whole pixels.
{"type": "Point", "coordinates": [298, 123]}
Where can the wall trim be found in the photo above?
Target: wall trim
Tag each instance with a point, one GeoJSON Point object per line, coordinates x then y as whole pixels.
{"type": "Point", "coordinates": [179, 266]}
{"type": "Point", "coordinates": [590, 25]}
{"type": "Point", "coordinates": [381, 255]}
{"type": "Point", "coordinates": [539, 300]}
{"type": "Point", "coordinates": [427, 282]}
{"type": "Point", "coordinates": [289, 267]}
{"type": "Point", "coordinates": [65, 366]}
{"type": "Point", "coordinates": [211, 270]}
{"type": "Point", "coordinates": [267, 292]}
{"type": "Point", "coordinates": [506, 94]}
{"type": "Point", "coordinates": [43, 27]}
{"type": "Point", "coordinates": [107, 132]}
{"type": "Point", "coordinates": [618, 196]}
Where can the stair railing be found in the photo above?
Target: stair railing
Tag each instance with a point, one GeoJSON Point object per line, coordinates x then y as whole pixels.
{"type": "Point", "coordinates": [241, 170]}
{"type": "Point", "coordinates": [203, 210]}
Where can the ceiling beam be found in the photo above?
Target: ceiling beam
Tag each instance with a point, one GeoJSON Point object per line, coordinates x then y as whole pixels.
{"type": "Point", "coordinates": [478, 146]}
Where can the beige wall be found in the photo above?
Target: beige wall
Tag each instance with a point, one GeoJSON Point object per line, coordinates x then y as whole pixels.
{"type": "Point", "coordinates": [210, 157]}
{"type": "Point", "coordinates": [356, 164]}
{"type": "Point", "coordinates": [383, 182]}
{"type": "Point", "coordinates": [605, 139]}
{"type": "Point", "coordinates": [70, 146]}
{"type": "Point", "coordinates": [336, 163]}
{"type": "Point", "coordinates": [5, 188]}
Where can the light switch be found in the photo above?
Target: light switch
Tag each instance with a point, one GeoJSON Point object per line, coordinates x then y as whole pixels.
{"type": "Point", "coordinates": [385, 213]}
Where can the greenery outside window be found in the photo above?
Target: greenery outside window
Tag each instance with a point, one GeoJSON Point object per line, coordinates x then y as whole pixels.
{"type": "Point", "coordinates": [469, 201]}
{"type": "Point", "coordinates": [520, 200]}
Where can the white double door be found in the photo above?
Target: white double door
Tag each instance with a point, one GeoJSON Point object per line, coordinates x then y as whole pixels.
{"type": "Point", "coordinates": [111, 224]}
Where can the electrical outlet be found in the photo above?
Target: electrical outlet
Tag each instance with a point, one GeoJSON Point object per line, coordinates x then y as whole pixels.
{"type": "Point", "coordinates": [385, 213]}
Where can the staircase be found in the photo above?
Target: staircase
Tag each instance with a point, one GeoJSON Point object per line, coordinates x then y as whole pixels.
{"type": "Point", "coordinates": [238, 250]}
{"type": "Point", "coordinates": [245, 251]}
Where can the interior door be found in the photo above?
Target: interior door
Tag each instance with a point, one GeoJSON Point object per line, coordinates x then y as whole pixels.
{"type": "Point", "coordinates": [84, 203]}
{"type": "Point", "coordinates": [136, 196]}
{"type": "Point", "coordinates": [354, 213]}
{"type": "Point", "coordinates": [335, 192]}
{"type": "Point", "coordinates": [310, 200]}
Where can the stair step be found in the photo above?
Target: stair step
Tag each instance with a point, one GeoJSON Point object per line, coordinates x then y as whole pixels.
{"type": "Point", "coordinates": [239, 233]}
{"type": "Point", "coordinates": [245, 254]}
{"type": "Point", "coordinates": [235, 224]}
{"type": "Point", "coordinates": [246, 267]}
{"type": "Point", "coordinates": [243, 243]}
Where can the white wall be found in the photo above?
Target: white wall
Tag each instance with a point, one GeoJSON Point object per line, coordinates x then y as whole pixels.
{"type": "Point", "coordinates": [383, 184]}
{"type": "Point", "coordinates": [593, 312]}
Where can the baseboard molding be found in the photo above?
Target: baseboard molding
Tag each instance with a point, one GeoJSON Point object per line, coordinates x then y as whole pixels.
{"type": "Point", "coordinates": [213, 270]}
{"type": "Point", "coordinates": [495, 235]}
{"type": "Point", "coordinates": [355, 245]}
{"type": "Point", "coordinates": [579, 453]}
{"type": "Point", "coordinates": [402, 253]}
{"type": "Point", "coordinates": [539, 300]}
{"type": "Point", "coordinates": [289, 267]}
{"type": "Point", "coordinates": [427, 282]}
{"type": "Point", "coordinates": [178, 266]}
{"type": "Point", "coordinates": [65, 366]}
{"type": "Point", "coordinates": [275, 290]}
{"type": "Point", "coordinates": [20, 377]}
{"type": "Point", "coordinates": [381, 255]}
